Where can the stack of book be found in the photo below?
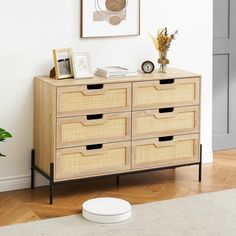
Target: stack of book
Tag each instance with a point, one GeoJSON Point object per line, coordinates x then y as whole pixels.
{"type": "Point", "coordinates": [115, 71]}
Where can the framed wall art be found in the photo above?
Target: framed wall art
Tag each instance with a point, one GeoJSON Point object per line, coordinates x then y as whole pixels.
{"type": "Point", "coordinates": [62, 62]}
{"type": "Point", "coordinates": [109, 18]}
{"type": "Point", "coordinates": [82, 65]}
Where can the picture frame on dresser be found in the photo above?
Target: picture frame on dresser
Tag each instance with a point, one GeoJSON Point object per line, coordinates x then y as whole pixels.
{"type": "Point", "coordinates": [82, 65]}
{"type": "Point", "coordinates": [62, 63]}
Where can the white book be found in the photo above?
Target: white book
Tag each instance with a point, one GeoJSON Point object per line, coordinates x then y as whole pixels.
{"type": "Point", "coordinates": [116, 70]}
{"type": "Point", "coordinates": [114, 75]}
{"type": "Point", "coordinates": [105, 75]}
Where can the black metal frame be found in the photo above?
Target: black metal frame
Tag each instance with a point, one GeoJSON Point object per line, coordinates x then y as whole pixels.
{"type": "Point", "coordinates": [52, 183]}
{"type": "Point", "coordinates": [49, 177]}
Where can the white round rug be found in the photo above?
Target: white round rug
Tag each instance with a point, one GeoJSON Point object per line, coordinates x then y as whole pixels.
{"type": "Point", "coordinates": [106, 210]}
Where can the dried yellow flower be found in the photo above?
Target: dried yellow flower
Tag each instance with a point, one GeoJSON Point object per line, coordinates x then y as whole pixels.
{"type": "Point", "coordinates": [162, 42]}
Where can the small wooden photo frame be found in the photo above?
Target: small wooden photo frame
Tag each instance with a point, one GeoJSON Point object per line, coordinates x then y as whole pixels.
{"type": "Point", "coordinates": [63, 63]}
{"type": "Point", "coordinates": [82, 65]}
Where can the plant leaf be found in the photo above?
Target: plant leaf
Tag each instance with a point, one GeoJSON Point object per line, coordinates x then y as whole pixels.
{"type": "Point", "coordinates": [4, 134]}
{"type": "Point", "coordinates": [1, 155]}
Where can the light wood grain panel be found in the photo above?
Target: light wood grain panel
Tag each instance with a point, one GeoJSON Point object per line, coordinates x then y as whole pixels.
{"type": "Point", "coordinates": [81, 162]}
{"type": "Point", "coordinates": [171, 73]}
{"type": "Point", "coordinates": [153, 152]}
{"type": "Point", "coordinates": [81, 100]}
{"type": "Point", "coordinates": [152, 123]}
{"type": "Point", "coordinates": [62, 109]}
{"type": "Point", "coordinates": [152, 94]}
{"type": "Point", "coordinates": [77, 131]}
{"type": "Point", "coordinates": [44, 124]}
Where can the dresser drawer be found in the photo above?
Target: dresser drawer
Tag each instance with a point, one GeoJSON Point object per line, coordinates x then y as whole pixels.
{"type": "Point", "coordinates": [164, 151]}
{"type": "Point", "coordinates": [92, 160]}
{"type": "Point", "coordinates": [98, 128]}
{"type": "Point", "coordinates": [91, 99]}
{"type": "Point", "coordinates": [163, 93]}
{"type": "Point", "coordinates": [165, 121]}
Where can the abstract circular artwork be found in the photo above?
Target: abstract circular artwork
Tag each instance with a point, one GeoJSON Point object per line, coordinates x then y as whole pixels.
{"type": "Point", "coordinates": [111, 11]}
{"type": "Point", "coordinates": [106, 18]}
{"type": "Point", "coordinates": [115, 5]}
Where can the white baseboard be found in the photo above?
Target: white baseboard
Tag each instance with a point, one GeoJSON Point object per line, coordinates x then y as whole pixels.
{"type": "Point", "coordinates": [22, 182]}
{"type": "Point", "coordinates": [14, 183]}
{"type": "Point", "coordinates": [207, 157]}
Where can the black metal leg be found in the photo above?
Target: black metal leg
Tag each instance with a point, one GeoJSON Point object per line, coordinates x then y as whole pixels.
{"type": "Point", "coordinates": [32, 167]}
{"type": "Point", "coordinates": [200, 165]}
{"type": "Point", "coordinates": [117, 180]}
{"type": "Point", "coordinates": [51, 183]}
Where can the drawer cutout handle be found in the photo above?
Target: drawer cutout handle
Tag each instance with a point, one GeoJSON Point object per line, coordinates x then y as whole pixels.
{"type": "Point", "coordinates": [94, 147]}
{"type": "Point", "coordinates": [94, 117]}
{"type": "Point", "coordinates": [166, 110]}
{"type": "Point", "coordinates": [95, 86]}
{"type": "Point", "coordinates": [165, 139]}
{"type": "Point", "coordinates": [167, 81]}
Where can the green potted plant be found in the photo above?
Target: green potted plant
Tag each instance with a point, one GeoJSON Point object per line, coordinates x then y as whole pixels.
{"type": "Point", "coordinates": [3, 136]}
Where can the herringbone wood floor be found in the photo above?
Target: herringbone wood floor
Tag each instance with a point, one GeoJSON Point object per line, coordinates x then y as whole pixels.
{"type": "Point", "coordinates": [27, 205]}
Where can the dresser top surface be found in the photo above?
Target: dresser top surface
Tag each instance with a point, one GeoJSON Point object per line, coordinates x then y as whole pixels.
{"type": "Point", "coordinates": [172, 73]}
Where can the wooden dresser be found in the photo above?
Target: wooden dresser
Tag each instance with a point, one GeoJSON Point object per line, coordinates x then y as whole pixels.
{"type": "Point", "coordinates": [94, 127]}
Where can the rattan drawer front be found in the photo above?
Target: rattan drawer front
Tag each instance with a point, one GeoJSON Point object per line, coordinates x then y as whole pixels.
{"type": "Point", "coordinates": [164, 93]}
{"type": "Point", "coordinates": [92, 160]}
{"type": "Point", "coordinates": [82, 100]}
{"type": "Point", "coordinates": [165, 121]}
{"type": "Point", "coordinates": [102, 128]}
{"type": "Point", "coordinates": [154, 152]}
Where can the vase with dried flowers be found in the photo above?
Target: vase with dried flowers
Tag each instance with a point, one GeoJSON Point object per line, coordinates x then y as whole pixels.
{"type": "Point", "coordinates": [162, 42]}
